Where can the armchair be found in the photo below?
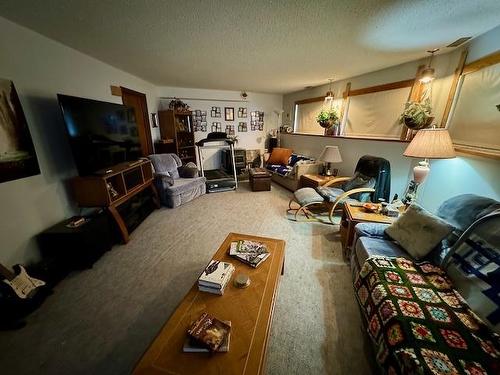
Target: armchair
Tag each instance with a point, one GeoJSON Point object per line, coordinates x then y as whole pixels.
{"type": "Point", "coordinates": [173, 189]}
{"type": "Point", "coordinates": [370, 182]}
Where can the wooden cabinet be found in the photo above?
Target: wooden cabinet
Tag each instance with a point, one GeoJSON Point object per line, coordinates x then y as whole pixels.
{"type": "Point", "coordinates": [176, 129]}
{"type": "Point", "coordinates": [112, 189]}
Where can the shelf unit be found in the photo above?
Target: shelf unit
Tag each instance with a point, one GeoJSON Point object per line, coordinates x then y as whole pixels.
{"type": "Point", "coordinates": [110, 190]}
{"type": "Point", "coordinates": [177, 134]}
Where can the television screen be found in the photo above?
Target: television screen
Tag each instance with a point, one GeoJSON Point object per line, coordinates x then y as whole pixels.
{"type": "Point", "coordinates": [101, 134]}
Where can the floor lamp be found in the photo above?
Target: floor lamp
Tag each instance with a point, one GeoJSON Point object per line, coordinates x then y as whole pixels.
{"type": "Point", "coordinates": [434, 143]}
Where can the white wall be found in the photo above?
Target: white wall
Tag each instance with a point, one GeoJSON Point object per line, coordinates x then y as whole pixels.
{"type": "Point", "coordinates": [41, 68]}
{"type": "Point", "coordinates": [464, 174]}
{"type": "Point", "coordinates": [250, 140]}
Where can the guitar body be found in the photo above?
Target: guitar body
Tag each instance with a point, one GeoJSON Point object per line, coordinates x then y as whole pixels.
{"type": "Point", "coordinates": [23, 285]}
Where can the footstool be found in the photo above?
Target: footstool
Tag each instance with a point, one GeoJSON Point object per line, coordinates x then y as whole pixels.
{"type": "Point", "coordinates": [260, 179]}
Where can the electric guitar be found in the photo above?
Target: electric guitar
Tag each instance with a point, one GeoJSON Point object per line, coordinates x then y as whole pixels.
{"type": "Point", "coordinates": [22, 284]}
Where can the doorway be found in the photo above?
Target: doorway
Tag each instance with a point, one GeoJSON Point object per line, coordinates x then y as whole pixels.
{"type": "Point", "coordinates": [137, 100]}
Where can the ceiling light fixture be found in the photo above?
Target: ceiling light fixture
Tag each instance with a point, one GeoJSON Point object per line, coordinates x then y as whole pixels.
{"type": "Point", "coordinates": [427, 74]}
{"type": "Point", "coordinates": [329, 93]}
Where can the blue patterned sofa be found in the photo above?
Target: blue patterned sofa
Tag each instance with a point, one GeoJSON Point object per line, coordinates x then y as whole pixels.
{"type": "Point", "coordinates": [435, 313]}
{"type": "Point", "coordinates": [289, 175]}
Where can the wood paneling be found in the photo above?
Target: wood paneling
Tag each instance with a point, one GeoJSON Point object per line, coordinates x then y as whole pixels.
{"type": "Point", "coordinates": [310, 100]}
{"type": "Point", "coordinates": [483, 62]}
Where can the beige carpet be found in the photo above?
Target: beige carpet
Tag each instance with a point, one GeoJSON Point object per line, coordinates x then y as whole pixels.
{"type": "Point", "coordinates": [101, 320]}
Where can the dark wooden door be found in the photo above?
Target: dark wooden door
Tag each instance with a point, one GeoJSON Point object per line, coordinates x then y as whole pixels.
{"type": "Point", "coordinates": [137, 100]}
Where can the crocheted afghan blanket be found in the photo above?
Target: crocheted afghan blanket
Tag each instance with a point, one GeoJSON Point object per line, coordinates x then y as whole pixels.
{"type": "Point", "coordinates": [419, 323]}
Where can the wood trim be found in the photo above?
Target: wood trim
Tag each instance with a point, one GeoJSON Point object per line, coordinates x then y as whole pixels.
{"type": "Point", "coordinates": [453, 88]}
{"type": "Point", "coordinates": [469, 150]}
{"type": "Point", "coordinates": [483, 62]}
{"type": "Point", "coordinates": [144, 131]}
{"type": "Point", "coordinates": [345, 137]}
{"type": "Point", "coordinates": [415, 95]}
{"type": "Point", "coordinates": [378, 88]}
{"type": "Point", "coordinates": [345, 98]}
{"type": "Point", "coordinates": [116, 90]}
{"type": "Point", "coordinates": [310, 100]}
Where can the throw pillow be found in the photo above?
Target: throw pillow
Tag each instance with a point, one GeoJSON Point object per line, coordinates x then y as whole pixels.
{"type": "Point", "coordinates": [418, 231]}
{"type": "Point", "coordinates": [189, 170]}
{"type": "Point", "coordinates": [279, 156]}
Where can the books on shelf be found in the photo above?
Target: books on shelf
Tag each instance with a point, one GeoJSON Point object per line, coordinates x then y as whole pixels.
{"type": "Point", "coordinates": [215, 277]}
{"type": "Point", "coordinates": [209, 332]}
{"type": "Point", "coordinates": [193, 346]}
{"type": "Point", "coordinates": [253, 253]}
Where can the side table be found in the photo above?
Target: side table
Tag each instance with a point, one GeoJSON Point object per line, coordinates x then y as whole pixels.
{"type": "Point", "coordinates": [314, 180]}
{"type": "Point", "coordinates": [352, 215]}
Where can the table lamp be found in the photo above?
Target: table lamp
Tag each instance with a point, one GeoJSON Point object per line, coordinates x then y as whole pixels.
{"type": "Point", "coordinates": [434, 143]}
{"type": "Point", "coordinates": [330, 154]}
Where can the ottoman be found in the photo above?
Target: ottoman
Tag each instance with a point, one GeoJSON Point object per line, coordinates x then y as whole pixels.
{"type": "Point", "coordinates": [260, 179]}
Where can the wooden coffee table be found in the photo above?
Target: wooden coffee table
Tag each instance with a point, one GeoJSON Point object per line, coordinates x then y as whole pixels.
{"type": "Point", "coordinates": [250, 311]}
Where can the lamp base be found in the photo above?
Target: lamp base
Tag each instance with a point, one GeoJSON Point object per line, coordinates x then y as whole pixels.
{"type": "Point", "coordinates": [421, 171]}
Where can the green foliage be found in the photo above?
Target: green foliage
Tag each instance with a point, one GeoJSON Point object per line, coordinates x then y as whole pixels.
{"type": "Point", "coordinates": [418, 112]}
{"type": "Point", "coordinates": [330, 116]}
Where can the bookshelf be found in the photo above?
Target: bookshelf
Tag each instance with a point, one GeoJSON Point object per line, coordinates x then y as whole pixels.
{"type": "Point", "coordinates": [176, 131]}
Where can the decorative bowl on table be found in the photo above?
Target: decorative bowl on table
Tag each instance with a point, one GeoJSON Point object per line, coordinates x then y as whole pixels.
{"type": "Point", "coordinates": [371, 207]}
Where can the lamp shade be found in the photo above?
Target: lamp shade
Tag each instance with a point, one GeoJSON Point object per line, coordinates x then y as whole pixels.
{"type": "Point", "coordinates": [431, 144]}
{"type": "Point", "coordinates": [330, 154]}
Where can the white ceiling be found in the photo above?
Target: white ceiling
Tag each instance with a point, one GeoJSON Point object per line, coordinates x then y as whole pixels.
{"type": "Point", "coordinates": [274, 46]}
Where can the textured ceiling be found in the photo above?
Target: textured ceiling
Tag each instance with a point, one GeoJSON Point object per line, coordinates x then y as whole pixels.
{"type": "Point", "coordinates": [274, 46]}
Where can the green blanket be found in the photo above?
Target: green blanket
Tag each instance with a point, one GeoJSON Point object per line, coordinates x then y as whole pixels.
{"type": "Point", "coordinates": [420, 324]}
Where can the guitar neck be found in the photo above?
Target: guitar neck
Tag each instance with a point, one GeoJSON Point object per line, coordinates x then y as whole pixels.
{"type": "Point", "coordinates": [6, 273]}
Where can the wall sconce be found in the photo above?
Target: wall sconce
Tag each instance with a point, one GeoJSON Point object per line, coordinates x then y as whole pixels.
{"type": "Point", "coordinates": [427, 74]}
{"type": "Point", "coordinates": [154, 120]}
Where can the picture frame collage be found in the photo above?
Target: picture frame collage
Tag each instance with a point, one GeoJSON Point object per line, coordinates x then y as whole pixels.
{"type": "Point", "coordinates": [200, 122]}
{"type": "Point", "coordinates": [257, 120]}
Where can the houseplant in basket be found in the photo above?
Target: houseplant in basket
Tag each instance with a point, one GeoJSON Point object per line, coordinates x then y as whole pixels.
{"type": "Point", "coordinates": [417, 115]}
{"type": "Point", "coordinates": [328, 118]}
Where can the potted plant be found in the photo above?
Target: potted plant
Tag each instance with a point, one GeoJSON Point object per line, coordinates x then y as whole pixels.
{"type": "Point", "coordinates": [417, 115]}
{"type": "Point", "coordinates": [327, 118]}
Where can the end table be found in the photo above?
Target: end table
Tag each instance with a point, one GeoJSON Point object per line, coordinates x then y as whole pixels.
{"type": "Point", "coordinates": [352, 215]}
{"type": "Point", "coordinates": [314, 180]}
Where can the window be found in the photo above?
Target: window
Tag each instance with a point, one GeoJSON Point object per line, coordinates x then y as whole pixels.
{"type": "Point", "coordinates": [306, 112]}
{"type": "Point", "coordinates": [376, 115]}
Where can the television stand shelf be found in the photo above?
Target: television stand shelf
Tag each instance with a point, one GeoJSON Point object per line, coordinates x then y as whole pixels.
{"type": "Point", "coordinates": [110, 190]}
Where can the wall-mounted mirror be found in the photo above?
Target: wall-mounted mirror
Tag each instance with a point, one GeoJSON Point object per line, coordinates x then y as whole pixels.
{"type": "Point", "coordinates": [474, 121]}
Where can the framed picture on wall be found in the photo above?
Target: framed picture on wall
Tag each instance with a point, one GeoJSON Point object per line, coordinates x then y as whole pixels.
{"type": "Point", "coordinates": [17, 153]}
{"type": "Point", "coordinates": [229, 114]}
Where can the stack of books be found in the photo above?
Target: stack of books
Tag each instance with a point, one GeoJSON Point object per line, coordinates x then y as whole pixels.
{"type": "Point", "coordinates": [253, 253]}
{"type": "Point", "coordinates": [215, 277]}
{"type": "Point", "coordinates": [208, 334]}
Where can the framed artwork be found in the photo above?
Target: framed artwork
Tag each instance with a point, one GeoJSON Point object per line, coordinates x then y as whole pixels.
{"type": "Point", "coordinates": [216, 127]}
{"type": "Point", "coordinates": [229, 114]}
{"type": "Point", "coordinates": [17, 153]}
{"type": "Point", "coordinates": [242, 112]}
{"type": "Point", "coordinates": [230, 129]}
{"type": "Point", "coordinates": [242, 127]}
{"type": "Point", "coordinates": [257, 121]}
{"type": "Point", "coordinates": [215, 112]}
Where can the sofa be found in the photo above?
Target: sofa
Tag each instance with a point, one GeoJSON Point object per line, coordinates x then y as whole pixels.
{"type": "Point", "coordinates": [173, 189]}
{"type": "Point", "coordinates": [424, 316]}
{"type": "Point", "coordinates": [288, 175]}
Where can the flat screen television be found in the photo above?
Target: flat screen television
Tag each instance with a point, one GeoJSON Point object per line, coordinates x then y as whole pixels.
{"type": "Point", "coordinates": [101, 134]}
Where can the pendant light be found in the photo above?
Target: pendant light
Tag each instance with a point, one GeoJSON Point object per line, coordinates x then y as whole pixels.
{"type": "Point", "coordinates": [329, 93]}
{"type": "Point", "coordinates": [428, 73]}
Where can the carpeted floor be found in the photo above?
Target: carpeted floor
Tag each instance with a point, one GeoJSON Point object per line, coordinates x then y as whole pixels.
{"type": "Point", "coordinates": [101, 320]}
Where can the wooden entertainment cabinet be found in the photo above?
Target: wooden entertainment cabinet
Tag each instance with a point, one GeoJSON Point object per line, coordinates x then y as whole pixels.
{"type": "Point", "coordinates": [110, 190]}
